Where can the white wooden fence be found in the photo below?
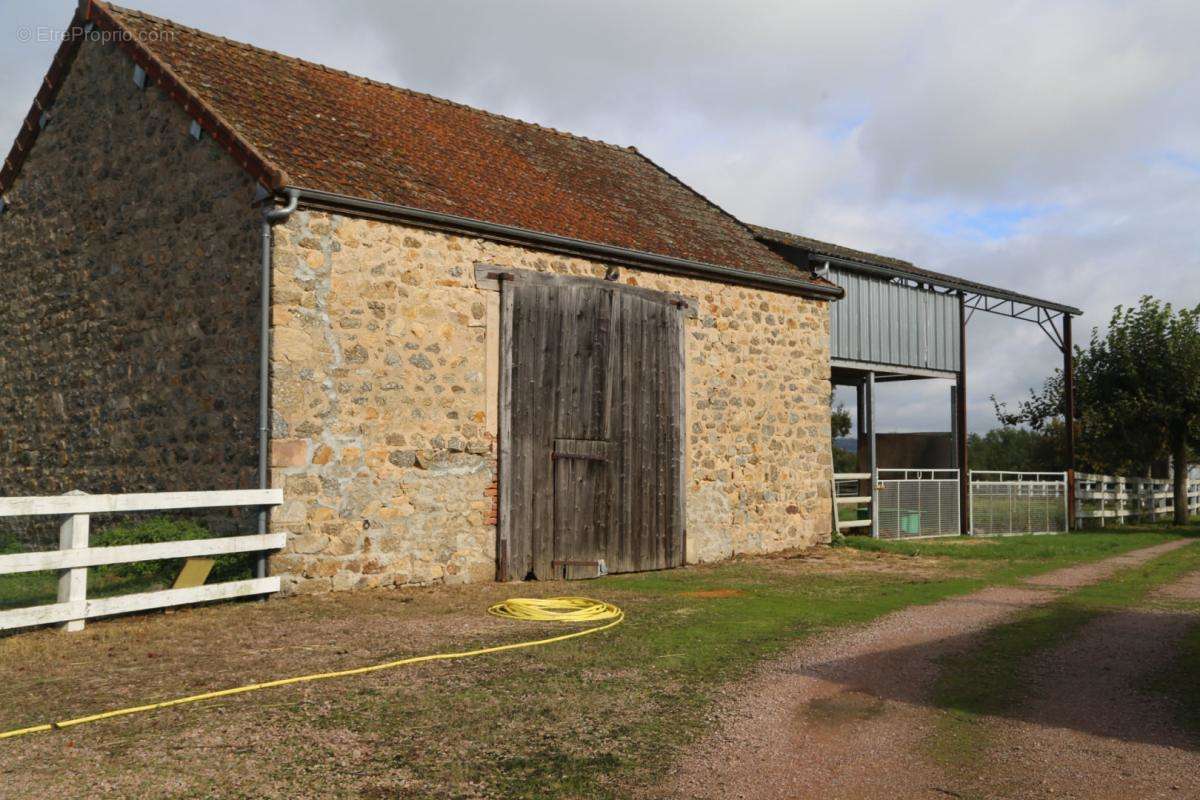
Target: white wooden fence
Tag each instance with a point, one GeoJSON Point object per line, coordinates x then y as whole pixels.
{"type": "Point", "coordinates": [74, 556]}
{"type": "Point", "coordinates": [847, 492]}
{"type": "Point", "coordinates": [1109, 497]}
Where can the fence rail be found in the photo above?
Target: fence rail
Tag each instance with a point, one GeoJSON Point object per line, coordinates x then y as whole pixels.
{"type": "Point", "coordinates": [1011, 502]}
{"type": "Point", "coordinates": [1111, 497]}
{"type": "Point", "coordinates": [75, 556]}
{"type": "Point", "coordinates": [848, 493]}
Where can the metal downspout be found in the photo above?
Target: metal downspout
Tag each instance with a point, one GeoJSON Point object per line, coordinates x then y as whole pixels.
{"type": "Point", "coordinates": [269, 217]}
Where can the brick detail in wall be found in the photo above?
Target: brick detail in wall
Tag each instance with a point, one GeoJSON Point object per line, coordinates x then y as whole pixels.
{"type": "Point", "coordinates": [492, 493]}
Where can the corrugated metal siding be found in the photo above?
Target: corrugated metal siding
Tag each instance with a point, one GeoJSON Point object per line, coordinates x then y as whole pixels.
{"type": "Point", "coordinates": [885, 323]}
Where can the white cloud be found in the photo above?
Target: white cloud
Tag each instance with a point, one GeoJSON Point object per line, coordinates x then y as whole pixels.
{"type": "Point", "coordinates": [1048, 147]}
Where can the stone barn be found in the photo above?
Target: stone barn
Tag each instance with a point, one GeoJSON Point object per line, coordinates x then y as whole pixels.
{"type": "Point", "coordinates": [483, 349]}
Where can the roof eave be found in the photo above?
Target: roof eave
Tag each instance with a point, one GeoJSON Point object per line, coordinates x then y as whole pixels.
{"type": "Point", "coordinates": [948, 282]}
{"type": "Point", "coordinates": [361, 206]}
{"type": "Point", "coordinates": [97, 13]}
{"type": "Point", "coordinates": [60, 66]}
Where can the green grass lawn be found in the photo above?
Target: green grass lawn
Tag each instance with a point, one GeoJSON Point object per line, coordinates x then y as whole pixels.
{"type": "Point", "coordinates": [631, 699]}
{"type": "Point", "coordinates": [1022, 551]}
{"type": "Point", "coordinates": [590, 718]}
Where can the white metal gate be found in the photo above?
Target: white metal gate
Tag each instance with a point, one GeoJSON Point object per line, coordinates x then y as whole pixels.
{"type": "Point", "coordinates": [1018, 502]}
{"type": "Point", "coordinates": [917, 502]}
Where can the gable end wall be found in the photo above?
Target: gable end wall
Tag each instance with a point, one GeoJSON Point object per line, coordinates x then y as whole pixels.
{"type": "Point", "coordinates": [129, 315]}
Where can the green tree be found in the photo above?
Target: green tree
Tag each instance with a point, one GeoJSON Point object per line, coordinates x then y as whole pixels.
{"type": "Point", "coordinates": [839, 425]}
{"type": "Point", "coordinates": [839, 419]}
{"type": "Point", "coordinates": [1017, 449]}
{"type": "Point", "coordinates": [1137, 393]}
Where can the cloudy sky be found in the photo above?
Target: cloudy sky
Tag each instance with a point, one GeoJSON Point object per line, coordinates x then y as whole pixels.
{"type": "Point", "coordinates": [1049, 147]}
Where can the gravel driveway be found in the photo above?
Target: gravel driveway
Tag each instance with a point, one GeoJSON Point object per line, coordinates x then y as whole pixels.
{"type": "Point", "coordinates": [847, 716]}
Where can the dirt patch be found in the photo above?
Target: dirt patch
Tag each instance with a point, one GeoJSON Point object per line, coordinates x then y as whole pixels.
{"type": "Point", "coordinates": [862, 755]}
{"type": "Point", "coordinates": [233, 748]}
{"type": "Point", "coordinates": [844, 707]}
{"type": "Point", "coordinates": [714, 593]}
{"type": "Point", "coordinates": [849, 559]}
{"type": "Point", "coordinates": [156, 656]}
{"type": "Point", "coordinates": [1186, 588]}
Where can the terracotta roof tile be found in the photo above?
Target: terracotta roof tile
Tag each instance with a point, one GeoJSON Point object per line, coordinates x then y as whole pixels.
{"type": "Point", "coordinates": [308, 126]}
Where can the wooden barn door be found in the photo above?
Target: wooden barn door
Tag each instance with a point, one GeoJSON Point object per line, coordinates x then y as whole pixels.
{"type": "Point", "coordinates": [591, 427]}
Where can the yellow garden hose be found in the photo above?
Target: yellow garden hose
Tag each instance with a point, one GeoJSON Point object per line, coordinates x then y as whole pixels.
{"type": "Point", "coordinates": [549, 609]}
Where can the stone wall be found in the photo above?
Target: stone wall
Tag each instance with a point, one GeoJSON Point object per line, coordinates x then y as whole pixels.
{"type": "Point", "coordinates": [129, 311]}
{"type": "Point", "coordinates": [129, 363]}
{"type": "Point", "coordinates": [385, 446]}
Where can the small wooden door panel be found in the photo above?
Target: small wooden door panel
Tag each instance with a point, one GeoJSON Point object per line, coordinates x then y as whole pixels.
{"type": "Point", "coordinates": [585, 475]}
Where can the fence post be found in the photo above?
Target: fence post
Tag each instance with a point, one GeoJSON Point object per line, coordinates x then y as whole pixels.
{"type": "Point", "coordinates": [72, 583]}
{"type": "Point", "coordinates": [1077, 512]}
{"type": "Point", "coordinates": [1068, 485]}
{"type": "Point", "coordinates": [837, 523]}
{"type": "Point", "coordinates": [970, 500]}
{"type": "Point", "coordinates": [1122, 501]}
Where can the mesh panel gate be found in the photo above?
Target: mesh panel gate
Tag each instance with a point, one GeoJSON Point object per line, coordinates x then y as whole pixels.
{"type": "Point", "coordinates": [1018, 502]}
{"type": "Point", "coordinates": [917, 502]}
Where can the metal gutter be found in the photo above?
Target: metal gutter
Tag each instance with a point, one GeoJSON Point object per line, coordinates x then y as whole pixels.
{"type": "Point", "coordinates": [270, 215]}
{"type": "Point", "coordinates": [565, 244]}
{"type": "Point", "coordinates": [947, 282]}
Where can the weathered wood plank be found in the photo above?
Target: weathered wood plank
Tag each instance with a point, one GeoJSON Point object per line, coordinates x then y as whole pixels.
{"type": "Point", "coordinates": [681, 434]}
{"type": "Point", "coordinates": [144, 601]}
{"type": "Point", "coordinates": [676, 440]}
{"type": "Point", "coordinates": [656, 426]}
{"type": "Point", "coordinates": [124, 554]}
{"type": "Point", "coordinates": [487, 277]}
{"type": "Point", "coordinates": [510, 549]}
{"type": "Point", "coordinates": [152, 501]}
{"type": "Point", "coordinates": [492, 344]}
{"type": "Point", "coordinates": [551, 326]}
{"type": "Point", "coordinates": [615, 395]}
{"type": "Point", "coordinates": [628, 557]}
{"type": "Point", "coordinates": [102, 607]}
{"type": "Point", "coordinates": [72, 583]}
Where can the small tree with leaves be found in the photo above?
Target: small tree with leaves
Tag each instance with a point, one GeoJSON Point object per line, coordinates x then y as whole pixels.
{"type": "Point", "coordinates": [1138, 393]}
{"type": "Point", "coordinates": [839, 423]}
